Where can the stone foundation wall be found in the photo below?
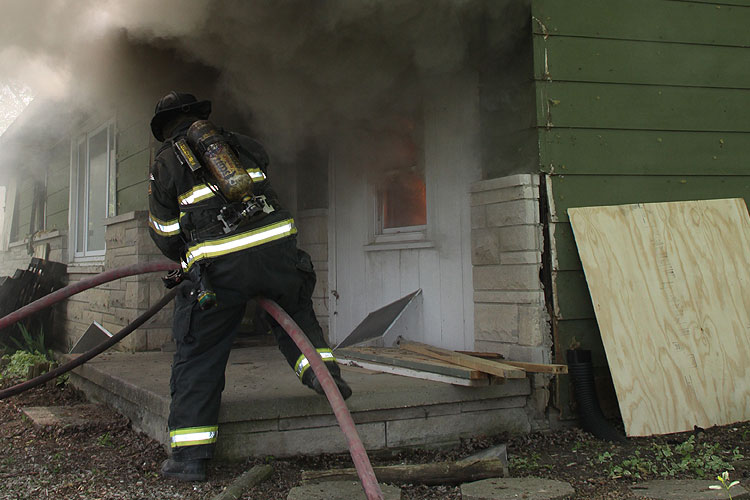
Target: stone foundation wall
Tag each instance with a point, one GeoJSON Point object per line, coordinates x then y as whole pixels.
{"type": "Point", "coordinates": [510, 316]}
{"type": "Point", "coordinates": [312, 237]}
{"type": "Point", "coordinates": [119, 302]}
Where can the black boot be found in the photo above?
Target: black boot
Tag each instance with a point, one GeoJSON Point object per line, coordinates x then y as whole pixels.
{"type": "Point", "coordinates": [188, 470]}
{"type": "Point", "coordinates": [313, 383]}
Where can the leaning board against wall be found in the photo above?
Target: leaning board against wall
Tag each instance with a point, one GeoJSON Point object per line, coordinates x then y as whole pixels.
{"type": "Point", "coordinates": [670, 284]}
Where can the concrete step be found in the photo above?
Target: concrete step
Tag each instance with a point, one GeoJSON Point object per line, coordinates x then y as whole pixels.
{"type": "Point", "coordinates": [267, 411]}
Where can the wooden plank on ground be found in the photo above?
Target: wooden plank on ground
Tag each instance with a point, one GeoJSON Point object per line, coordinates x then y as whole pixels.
{"type": "Point", "coordinates": [432, 473]}
{"type": "Point", "coordinates": [398, 357]}
{"type": "Point", "coordinates": [418, 374]}
{"type": "Point", "coordinates": [485, 365]}
{"type": "Point", "coordinates": [670, 286]}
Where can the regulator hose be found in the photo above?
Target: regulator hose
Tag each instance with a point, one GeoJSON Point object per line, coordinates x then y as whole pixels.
{"type": "Point", "coordinates": [344, 418]}
{"type": "Point", "coordinates": [50, 375]}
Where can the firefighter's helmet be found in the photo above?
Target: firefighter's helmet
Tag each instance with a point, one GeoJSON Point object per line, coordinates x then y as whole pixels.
{"type": "Point", "coordinates": [174, 103]}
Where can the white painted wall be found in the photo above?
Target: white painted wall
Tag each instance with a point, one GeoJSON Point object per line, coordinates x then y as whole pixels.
{"type": "Point", "coordinates": [363, 279]}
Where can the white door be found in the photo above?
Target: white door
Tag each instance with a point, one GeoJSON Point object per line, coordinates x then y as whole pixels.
{"type": "Point", "coordinates": [371, 266]}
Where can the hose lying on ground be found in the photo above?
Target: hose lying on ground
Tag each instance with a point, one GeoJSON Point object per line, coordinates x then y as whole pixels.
{"type": "Point", "coordinates": [344, 418]}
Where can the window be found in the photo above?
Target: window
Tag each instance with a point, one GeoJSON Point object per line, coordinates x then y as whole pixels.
{"type": "Point", "coordinates": [92, 189]}
{"type": "Point", "coordinates": [401, 194]}
{"type": "Point", "coordinates": [403, 201]}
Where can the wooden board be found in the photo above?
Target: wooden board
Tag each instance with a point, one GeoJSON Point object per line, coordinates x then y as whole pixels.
{"type": "Point", "coordinates": [670, 284]}
{"type": "Point", "coordinates": [485, 365]}
{"type": "Point", "coordinates": [418, 374]}
{"type": "Point", "coordinates": [398, 357]}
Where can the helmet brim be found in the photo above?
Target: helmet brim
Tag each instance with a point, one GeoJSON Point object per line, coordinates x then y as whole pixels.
{"type": "Point", "coordinates": [201, 109]}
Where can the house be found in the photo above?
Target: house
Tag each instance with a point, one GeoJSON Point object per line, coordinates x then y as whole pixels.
{"type": "Point", "coordinates": [561, 104]}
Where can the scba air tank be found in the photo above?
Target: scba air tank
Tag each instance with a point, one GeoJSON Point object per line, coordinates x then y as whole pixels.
{"type": "Point", "coordinates": [220, 160]}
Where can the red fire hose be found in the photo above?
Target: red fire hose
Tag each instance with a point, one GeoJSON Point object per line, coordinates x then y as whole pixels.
{"type": "Point", "coordinates": [344, 418]}
{"type": "Point", "coordinates": [79, 286]}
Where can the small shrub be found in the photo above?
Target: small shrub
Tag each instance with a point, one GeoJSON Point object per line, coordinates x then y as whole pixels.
{"type": "Point", "coordinates": [20, 362]}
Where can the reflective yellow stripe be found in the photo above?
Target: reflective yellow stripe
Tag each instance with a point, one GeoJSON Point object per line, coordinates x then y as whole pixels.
{"type": "Point", "coordinates": [168, 228]}
{"type": "Point", "coordinates": [256, 174]}
{"type": "Point", "coordinates": [198, 193]}
{"type": "Point", "coordinates": [242, 241]}
{"type": "Point", "coordinates": [201, 192]}
{"type": "Point", "coordinates": [192, 436]}
{"type": "Point", "coordinates": [303, 363]}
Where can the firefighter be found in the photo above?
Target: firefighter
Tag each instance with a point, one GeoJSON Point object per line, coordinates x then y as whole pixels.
{"type": "Point", "coordinates": [233, 244]}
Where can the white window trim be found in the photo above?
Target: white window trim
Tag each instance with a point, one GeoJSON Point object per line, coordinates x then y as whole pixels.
{"type": "Point", "coordinates": [406, 237]}
{"type": "Point", "coordinates": [95, 255]}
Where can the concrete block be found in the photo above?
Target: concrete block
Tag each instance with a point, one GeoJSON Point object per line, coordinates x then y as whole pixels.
{"type": "Point", "coordinates": [509, 296]}
{"type": "Point", "coordinates": [137, 295]}
{"type": "Point", "coordinates": [485, 247]}
{"type": "Point", "coordinates": [407, 413]}
{"type": "Point", "coordinates": [135, 342]}
{"type": "Point", "coordinates": [312, 230]}
{"type": "Point", "coordinates": [513, 213]}
{"type": "Point", "coordinates": [451, 428]}
{"type": "Point", "coordinates": [492, 346]}
{"type": "Point", "coordinates": [502, 277]}
{"type": "Point", "coordinates": [297, 442]}
{"type": "Point", "coordinates": [116, 298]}
{"type": "Point", "coordinates": [504, 182]}
{"type": "Point", "coordinates": [97, 300]}
{"type": "Point", "coordinates": [522, 257]}
{"type": "Point", "coordinates": [533, 325]}
{"type": "Point", "coordinates": [318, 251]}
{"type": "Point", "coordinates": [122, 260]}
{"type": "Point", "coordinates": [311, 422]}
{"type": "Point", "coordinates": [496, 322]}
{"type": "Point", "coordinates": [504, 194]}
{"type": "Point", "coordinates": [114, 236]}
{"type": "Point", "coordinates": [228, 430]}
{"type": "Point", "coordinates": [519, 238]}
{"type": "Point", "coordinates": [478, 217]}
{"type": "Point", "coordinates": [539, 354]}
{"type": "Point", "coordinates": [494, 404]}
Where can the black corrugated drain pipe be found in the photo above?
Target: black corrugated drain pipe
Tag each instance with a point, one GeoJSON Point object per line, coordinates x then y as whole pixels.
{"type": "Point", "coordinates": [592, 419]}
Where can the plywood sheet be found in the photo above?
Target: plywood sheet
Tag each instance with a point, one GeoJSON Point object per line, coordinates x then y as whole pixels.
{"type": "Point", "coordinates": [670, 285]}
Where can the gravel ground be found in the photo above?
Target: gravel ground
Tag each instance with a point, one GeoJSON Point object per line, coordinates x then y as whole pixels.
{"type": "Point", "coordinates": [106, 459]}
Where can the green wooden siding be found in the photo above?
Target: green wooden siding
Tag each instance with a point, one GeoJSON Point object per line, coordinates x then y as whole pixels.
{"type": "Point", "coordinates": [58, 187]}
{"type": "Point", "coordinates": [24, 200]}
{"type": "Point", "coordinates": [570, 151]}
{"type": "Point", "coordinates": [133, 161]}
{"type": "Point", "coordinates": [132, 198]}
{"type": "Point", "coordinates": [637, 101]}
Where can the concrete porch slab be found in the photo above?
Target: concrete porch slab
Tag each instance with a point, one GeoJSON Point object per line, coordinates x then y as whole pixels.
{"type": "Point", "coordinates": [267, 411]}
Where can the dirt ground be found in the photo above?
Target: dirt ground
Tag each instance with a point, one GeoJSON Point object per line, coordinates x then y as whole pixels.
{"type": "Point", "coordinates": [106, 459]}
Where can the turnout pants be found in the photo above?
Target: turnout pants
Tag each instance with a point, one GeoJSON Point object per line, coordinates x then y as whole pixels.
{"type": "Point", "coordinates": [277, 271]}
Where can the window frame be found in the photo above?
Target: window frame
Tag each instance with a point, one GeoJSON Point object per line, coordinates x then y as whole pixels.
{"type": "Point", "coordinates": [74, 220]}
